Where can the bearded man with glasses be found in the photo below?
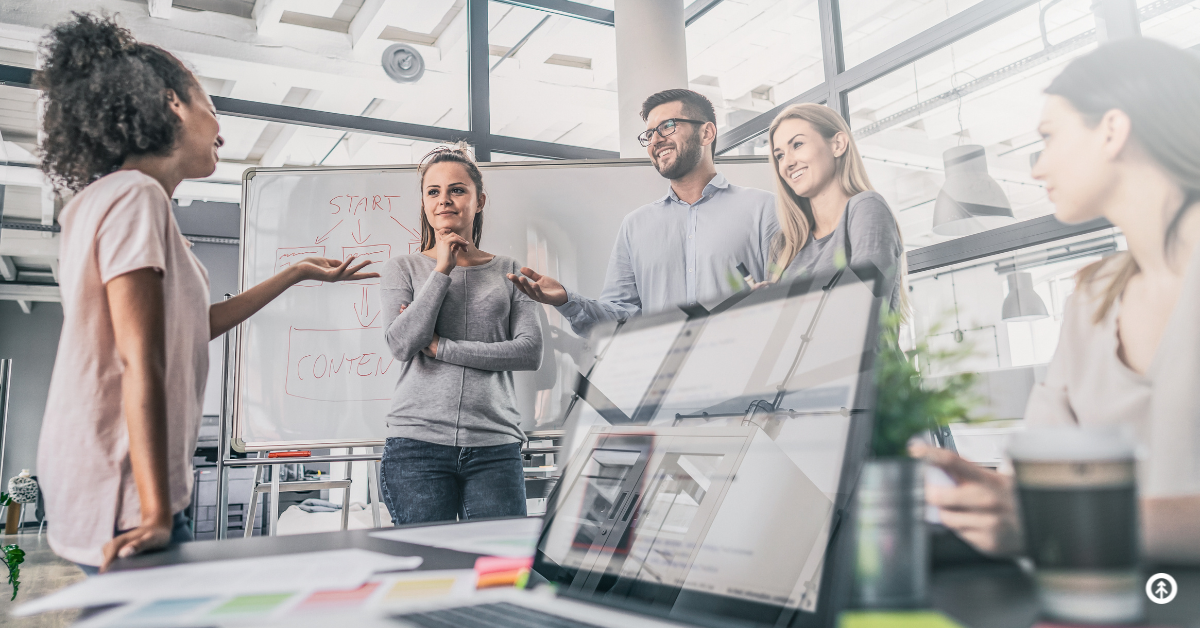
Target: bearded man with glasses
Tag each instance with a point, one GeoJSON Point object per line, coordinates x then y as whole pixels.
{"type": "Point", "coordinates": [684, 248]}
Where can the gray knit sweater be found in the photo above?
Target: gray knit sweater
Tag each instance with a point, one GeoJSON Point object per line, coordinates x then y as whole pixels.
{"type": "Point", "coordinates": [464, 397]}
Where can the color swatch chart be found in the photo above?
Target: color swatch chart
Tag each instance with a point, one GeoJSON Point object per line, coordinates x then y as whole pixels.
{"type": "Point", "coordinates": [375, 598]}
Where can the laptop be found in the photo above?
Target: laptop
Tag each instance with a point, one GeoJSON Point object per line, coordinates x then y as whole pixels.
{"type": "Point", "coordinates": [710, 460]}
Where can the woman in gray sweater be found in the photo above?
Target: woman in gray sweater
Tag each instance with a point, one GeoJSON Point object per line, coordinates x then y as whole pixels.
{"type": "Point", "coordinates": [458, 329]}
{"type": "Point", "coordinates": [829, 215]}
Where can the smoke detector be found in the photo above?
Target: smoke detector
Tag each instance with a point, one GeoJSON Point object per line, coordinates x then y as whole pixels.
{"type": "Point", "coordinates": [403, 63]}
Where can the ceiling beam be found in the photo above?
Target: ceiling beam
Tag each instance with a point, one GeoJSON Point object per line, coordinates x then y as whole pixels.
{"type": "Point", "coordinates": [274, 154]}
{"type": "Point", "coordinates": [30, 292]}
{"type": "Point", "coordinates": [267, 13]}
{"type": "Point", "coordinates": [26, 306]}
{"type": "Point", "coordinates": [1005, 239]}
{"type": "Point", "coordinates": [8, 270]}
{"type": "Point", "coordinates": [160, 9]}
{"type": "Point", "coordinates": [338, 121]}
{"type": "Point", "coordinates": [567, 8]}
{"type": "Point", "coordinates": [368, 23]}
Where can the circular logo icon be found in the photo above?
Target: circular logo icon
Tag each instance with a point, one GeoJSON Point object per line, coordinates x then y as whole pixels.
{"type": "Point", "coordinates": [1161, 588]}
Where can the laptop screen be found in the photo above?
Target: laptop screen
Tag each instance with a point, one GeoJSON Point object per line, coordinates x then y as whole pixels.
{"type": "Point", "coordinates": [708, 457]}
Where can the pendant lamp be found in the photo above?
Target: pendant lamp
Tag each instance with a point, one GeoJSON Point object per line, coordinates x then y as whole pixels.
{"type": "Point", "coordinates": [1022, 302]}
{"type": "Point", "coordinates": [970, 201]}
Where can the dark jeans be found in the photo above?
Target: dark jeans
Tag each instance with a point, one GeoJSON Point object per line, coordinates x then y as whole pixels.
{"type": "Point", "coordinates": [425, 482]}
{"type": "Point", "coordinates": [181, 532]}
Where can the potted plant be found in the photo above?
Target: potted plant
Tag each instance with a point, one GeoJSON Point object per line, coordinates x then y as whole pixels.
{"type": "Point", "coordinates": [11, 555]}
{"type": "Point", "coordinates": [892, 567]}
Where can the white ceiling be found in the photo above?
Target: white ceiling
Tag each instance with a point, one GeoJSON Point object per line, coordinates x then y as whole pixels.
{"type": "Point", "coordinates": [560, 85]}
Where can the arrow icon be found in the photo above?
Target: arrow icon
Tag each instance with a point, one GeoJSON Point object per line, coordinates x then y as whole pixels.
{"type": "Point", "coordinates": [326, 236]}
{"type": "Point", "coordinates": [365, 311]}
{"type": "Point", "coordinates": [360, 233]}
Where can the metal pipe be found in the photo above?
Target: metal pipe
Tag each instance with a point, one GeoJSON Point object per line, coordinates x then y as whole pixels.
{"type": "Point", "coordinates": [5, 386]}
{"type": "Point", "coordinates": [250, 462]}
{"type": "Point", "coordinates": [223, 440]}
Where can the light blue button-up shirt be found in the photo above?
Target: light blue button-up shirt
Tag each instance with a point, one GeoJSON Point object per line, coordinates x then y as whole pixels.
{"type": "Point", "coordinates": [670, 253]}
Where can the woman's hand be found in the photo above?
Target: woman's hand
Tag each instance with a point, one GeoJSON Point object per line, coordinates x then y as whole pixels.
{"type": "Point", "coordinates": [981, 507]}
{"type": "Point", "coordinates": [540, 288]}
{"type": "Point", "coordinates": [140, 539]}
{"type": "Point", "coordinates": [325, 269]}
{"type": "Point", "coordinates": [431, 350]}
{"type": "Point", "coordinates": [448, 247]}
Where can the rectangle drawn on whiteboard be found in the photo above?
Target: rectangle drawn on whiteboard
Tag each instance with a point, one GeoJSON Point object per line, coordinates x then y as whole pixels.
{"type": "Point", "coordinates": [377, 253]}
{"type": "Point", "coordinates": [287, 256]}
{"type": "Point", "coordinates": [325, 365]}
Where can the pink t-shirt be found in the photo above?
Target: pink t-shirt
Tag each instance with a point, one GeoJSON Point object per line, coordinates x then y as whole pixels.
{"type": "Point", "coordinates": [121, 223]}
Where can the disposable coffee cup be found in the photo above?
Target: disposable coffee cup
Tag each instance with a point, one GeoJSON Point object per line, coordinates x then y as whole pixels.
{"type": "Point", "coordinates": [1077, 492]}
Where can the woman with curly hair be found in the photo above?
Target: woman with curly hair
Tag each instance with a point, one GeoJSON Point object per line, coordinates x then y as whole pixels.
{"type": "Point", "coordinates": [125, 123]}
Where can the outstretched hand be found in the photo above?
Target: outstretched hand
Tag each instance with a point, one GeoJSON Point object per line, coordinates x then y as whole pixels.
{"type": "Point", "coordinates": [981, 506]}
{"type": "Point", "coordinates": [540, 288]}
{"type": "Point", "coordinates": [325, 269]}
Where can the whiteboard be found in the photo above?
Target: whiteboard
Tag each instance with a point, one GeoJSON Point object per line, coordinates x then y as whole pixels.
{"type": "Point", "coordinates": [312, 368]}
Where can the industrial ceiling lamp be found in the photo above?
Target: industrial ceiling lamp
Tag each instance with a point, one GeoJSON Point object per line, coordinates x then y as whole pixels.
{"type": "Point", "coordinates": [970, 201]}
{"type": "Point", "coordinates": [403, 64]}
{"type": "Point", "coordinates": [1022, 303]}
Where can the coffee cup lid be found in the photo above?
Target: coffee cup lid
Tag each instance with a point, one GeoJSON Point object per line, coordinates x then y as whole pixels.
{"type": "Point", "coordinates": [1052, 444]}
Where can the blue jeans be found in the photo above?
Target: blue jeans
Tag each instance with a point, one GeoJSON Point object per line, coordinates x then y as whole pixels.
{"type": "Point", "coordinates": [181, 532]}
{"type": "Point", "coordinates": [425, 482]}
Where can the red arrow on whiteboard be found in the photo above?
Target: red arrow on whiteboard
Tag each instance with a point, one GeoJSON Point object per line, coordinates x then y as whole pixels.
{"type": "Point", "coordinates": [360, 233]}
{"type": "Point", "coordinates": [365, 311]}
{"type": "Point", "coordinates": [325, 237]}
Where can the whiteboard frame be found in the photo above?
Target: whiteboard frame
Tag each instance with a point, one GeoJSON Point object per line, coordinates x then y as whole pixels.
{"type": "Point", "coordinates": [235, 432]}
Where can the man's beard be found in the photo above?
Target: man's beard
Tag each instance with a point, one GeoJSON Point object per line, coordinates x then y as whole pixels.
{"type": "Point", "coordinates": [686, 159]}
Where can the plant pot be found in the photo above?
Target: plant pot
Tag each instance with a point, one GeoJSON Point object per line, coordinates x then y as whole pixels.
{"type": "Point", "coordinates": [892, 563]}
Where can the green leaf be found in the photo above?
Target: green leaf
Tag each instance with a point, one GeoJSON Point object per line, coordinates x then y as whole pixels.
{"type": "Point", "coordinates": [906, 404]}
{"type": "Point", "coordinates": [5, 499]}
{"type": "Point", "coordinates": [13, 557]}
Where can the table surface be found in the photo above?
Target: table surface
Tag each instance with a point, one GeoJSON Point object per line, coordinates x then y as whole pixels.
{"type": "Point", "coordinates": [993, 595]}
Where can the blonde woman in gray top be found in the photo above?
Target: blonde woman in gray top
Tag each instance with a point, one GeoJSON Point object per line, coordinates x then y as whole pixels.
{"type": "Point", "coordinates": [1121, 141]}
{"type": "Point", "coordinates": [829, 215]}
{"type": "Point", "coordinates": [458, 329]}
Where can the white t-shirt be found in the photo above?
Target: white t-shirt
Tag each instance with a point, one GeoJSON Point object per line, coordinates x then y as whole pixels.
{"type": "Point", "coordinates": [1088, 384]}
{"type": "Point", "coordinates": [120, 223]}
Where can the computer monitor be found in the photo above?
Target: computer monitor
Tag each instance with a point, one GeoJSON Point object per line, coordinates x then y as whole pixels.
{"type": "Point", "coordinates": [710, 459]}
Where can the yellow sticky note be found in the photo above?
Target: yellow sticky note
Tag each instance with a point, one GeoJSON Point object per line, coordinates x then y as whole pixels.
{"type": "Point", "coordinates": [895, 619]}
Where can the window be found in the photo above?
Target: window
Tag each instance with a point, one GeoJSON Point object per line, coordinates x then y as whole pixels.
{"type": "Point", "coordinates": [972, 305]}
{"type": "Point", "coordinates": [870, 27]}
{"type": "Point", "coordinates": [1174, 21]}
{"type": "Point", "coordinates": [257, 144]}
{"type": "Point", "coordinates": [553, 78]}
{"type": "Point", "coordinates": [749, 57]}
{"type": "Point", "coordinates": [984, 90]}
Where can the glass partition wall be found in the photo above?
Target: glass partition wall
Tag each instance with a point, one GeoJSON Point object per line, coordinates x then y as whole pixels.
{"type": "Point", "coordinates": [922, 83]}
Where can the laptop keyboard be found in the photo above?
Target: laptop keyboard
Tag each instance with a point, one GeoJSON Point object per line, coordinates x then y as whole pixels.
{"type": "Point", "coordinates": [498, 615]}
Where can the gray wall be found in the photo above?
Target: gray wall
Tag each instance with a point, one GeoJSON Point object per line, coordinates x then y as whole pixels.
{"type": "Point", "coordinates": [31, 340]}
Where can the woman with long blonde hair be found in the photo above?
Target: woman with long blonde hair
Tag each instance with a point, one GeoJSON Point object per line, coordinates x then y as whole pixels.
{"type": "Point", "coordinates": [829, 215]}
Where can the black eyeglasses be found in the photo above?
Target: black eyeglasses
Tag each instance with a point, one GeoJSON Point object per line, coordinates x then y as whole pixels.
{"type": "Point", "coordinates": [665, 128]}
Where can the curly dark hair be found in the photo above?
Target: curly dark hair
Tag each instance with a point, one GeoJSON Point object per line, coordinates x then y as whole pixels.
{"type": "Point", "coordinates": [106, 99]}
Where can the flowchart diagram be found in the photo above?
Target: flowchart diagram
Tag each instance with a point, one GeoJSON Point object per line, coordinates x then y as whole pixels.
{"type": "Point", "coordinates": [331, 355]}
